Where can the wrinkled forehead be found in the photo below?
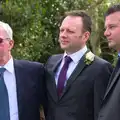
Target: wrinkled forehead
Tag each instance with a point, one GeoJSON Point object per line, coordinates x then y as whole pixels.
{"type": "Point", "coordinates": [3, 33]}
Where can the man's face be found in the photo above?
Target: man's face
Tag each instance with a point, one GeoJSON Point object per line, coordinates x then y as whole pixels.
{"type": "Point", "coordinates": [5, 43]}
{"type": "Point", "coordinates": [112, 32]}
{"type": "Point", "coordinates": [71, 36]}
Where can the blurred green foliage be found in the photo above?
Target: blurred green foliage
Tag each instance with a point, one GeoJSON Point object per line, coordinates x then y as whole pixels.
{"type": "Point", "coordinates": [36, 26]}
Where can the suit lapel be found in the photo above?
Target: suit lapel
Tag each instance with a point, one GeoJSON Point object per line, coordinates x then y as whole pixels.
{"type": "Point", "coordinates": [51, 83]}
{"type": "Point", "coordinates": [57, 63]}
{"type": "Point", "coordinates": [19, 78]}
{"type": "Point", "coordinates": [112, 83]}
{"type": "Point", "coordinates": [79, 68]}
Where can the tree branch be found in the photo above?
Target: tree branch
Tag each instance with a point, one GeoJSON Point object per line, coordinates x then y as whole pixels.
{"type": "Point", "coordinates": [96, 3]}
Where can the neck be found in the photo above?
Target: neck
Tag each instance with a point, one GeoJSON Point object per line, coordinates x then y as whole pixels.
{"type": "Point", "coordinates": [74, 51]}
{"type": "Point", "coordinates": [4, 60]}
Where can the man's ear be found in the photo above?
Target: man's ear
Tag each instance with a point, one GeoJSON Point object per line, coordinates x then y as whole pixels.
{"type": "Point", "coordinates": [86, 36]}
{"type": "Point", "coordinates": [11, 44]}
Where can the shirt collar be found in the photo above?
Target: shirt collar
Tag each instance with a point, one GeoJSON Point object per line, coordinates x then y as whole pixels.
{"type": "Point", "coordinates": [119, 54]}
{"type": "Point", "coordinates": [9, 65]}
{"type": "Point", "coordinates": [77, 55]}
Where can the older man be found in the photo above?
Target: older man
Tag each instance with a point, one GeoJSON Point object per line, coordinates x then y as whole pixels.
{"type": "Point", "coordinates": [22, 83]}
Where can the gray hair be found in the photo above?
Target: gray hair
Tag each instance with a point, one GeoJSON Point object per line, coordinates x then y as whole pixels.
{"type": "Point", "coordinates": [8, 29]}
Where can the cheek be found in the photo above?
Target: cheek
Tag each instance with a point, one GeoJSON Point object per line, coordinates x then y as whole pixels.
{"type": "Point", "coordinates": [74, 37]}
{"type": "Point", "coordinates": [115, 37]}
{"type": "Point", "coordinates": [6, 46]}
{"type": "Point", "coordinates": [3, 48]}
{"type": "Point", "coordinates": [116, 33]}
{"type": "Point", "coordinates": [76, 41]}
{"type": "Point", "coordinates": [78, 38]}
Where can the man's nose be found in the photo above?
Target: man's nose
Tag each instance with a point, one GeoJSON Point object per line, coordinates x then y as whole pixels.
{"type": "Point", "coordinates": [63, 34]}
{"type": "Point", "coordinates": [106, 33]}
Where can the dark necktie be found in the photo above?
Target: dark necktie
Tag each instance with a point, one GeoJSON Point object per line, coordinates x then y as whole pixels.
{"type": "Point", "coordinates": [62, 76]}
{"type": "Point", "coordinates": [4, 103]}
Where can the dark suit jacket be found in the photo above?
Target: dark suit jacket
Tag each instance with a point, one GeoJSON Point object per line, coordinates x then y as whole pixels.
{"type": "Point", "coordinates": [110, 109]}
{"type": "Point", "coordinates": [30, 83]}
{"type": "Point", "coordinates": [83, 93]}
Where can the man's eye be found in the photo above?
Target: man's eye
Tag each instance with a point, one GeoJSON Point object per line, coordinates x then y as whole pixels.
{"type": "Point", "coordinates": [70, 31]}
{"type": "Point", "coordinates": [1, 40]}
{"type": "Point", "coordinates": [111, 27]}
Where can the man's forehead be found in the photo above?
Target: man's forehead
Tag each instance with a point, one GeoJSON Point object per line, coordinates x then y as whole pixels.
{"type": "Point", "coordinates": [72, 21]}
{"type": "Point", "coordinates": [112, 21]}
{"type": "Point", "coordinates": [3, 33]}
{"type": "Point", "coordinates": [114, 16]}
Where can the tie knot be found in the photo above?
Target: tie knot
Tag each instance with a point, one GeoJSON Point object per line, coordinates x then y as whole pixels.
{"type": "Point", "coordinates": [68, 59]}
{"type": "Point", "coordinates": [2, 70]}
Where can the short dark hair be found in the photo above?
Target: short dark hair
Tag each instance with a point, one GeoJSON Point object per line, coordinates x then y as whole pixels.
{"type": "Point", "coordinates": [112, 9]}
{"type": "Point", "coordinates": [87, 22]}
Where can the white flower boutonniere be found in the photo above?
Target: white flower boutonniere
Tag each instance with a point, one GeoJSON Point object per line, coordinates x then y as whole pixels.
{"type": "Point", "coordinates": [89, 58]}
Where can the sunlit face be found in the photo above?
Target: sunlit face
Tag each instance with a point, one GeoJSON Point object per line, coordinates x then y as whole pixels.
{"type": "Point", "coordinates": [5, 43]}
{"type": "Point", "coordinates": [112, 32]}
{"type": "Point", "coordinates": [71, 36]}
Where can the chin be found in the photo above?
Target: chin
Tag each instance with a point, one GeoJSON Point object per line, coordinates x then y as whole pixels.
{"type": "Point", "coordinates": [63, 47]}
{"type": "Point", "coordinates": [111, 45]}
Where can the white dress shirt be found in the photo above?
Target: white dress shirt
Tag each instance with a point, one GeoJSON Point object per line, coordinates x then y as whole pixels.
{"type": "Point", "coordinates": [10, 82]}
{"type": "Point", "coordinates": [75, 60]}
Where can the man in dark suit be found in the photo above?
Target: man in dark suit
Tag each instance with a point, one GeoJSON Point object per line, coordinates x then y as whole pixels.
{"type": "Point", "coordinates": [77, 91]}
{"type": "Point", "coordinates": [110, 109]}
{"type": "Point", "coordinates": [22, 83]}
